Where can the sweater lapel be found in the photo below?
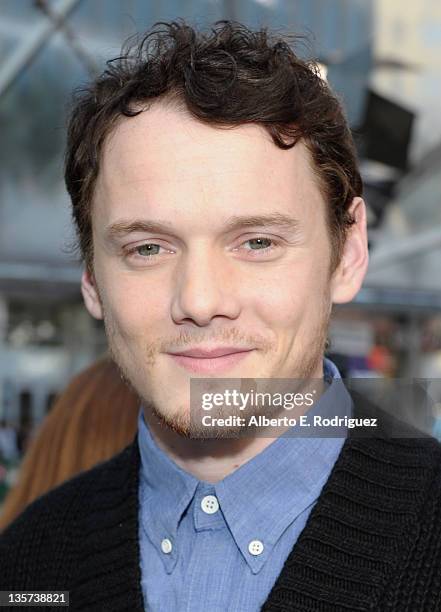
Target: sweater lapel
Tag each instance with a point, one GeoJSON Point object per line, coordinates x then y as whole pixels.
{"type": "Point", "coordinates": [110, 577]}
{"type": "Point", "coordinates": [360, 531]}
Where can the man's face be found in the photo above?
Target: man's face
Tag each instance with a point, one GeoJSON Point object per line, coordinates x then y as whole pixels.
{"type": "Point", "coordinates": [207, 238]}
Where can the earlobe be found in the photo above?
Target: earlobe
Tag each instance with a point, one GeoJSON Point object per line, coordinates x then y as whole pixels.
{"type": "Point", "coordinates": [349, 276]}
{"type": "Point", "coordinates": [90, 293]}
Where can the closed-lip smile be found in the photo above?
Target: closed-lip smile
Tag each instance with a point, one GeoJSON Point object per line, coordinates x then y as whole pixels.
{"type": "Point", "coordinates": [210, 353]}
{"type": "Point", "coordinates": [210, 360]}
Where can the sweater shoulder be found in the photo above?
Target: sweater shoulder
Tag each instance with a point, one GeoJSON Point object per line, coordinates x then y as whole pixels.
{"type": "Point", "coordinates": [44, 536]}
{"type": "Point", "coordinates": [374, 533]}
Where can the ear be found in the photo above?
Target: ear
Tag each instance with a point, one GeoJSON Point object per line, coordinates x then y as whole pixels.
{"type": "Point", "coordinates": [349, 275]}
{"type": "Point", "coordinates": [91, 297]}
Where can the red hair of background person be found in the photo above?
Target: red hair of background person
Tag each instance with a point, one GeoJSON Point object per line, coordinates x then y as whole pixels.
{"type": "Point", "coordinates": [92, 419]}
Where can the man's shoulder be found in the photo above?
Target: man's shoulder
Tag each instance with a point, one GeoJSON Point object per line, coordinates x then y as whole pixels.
{"type": "Point", "coordinates": [51, 528]}
{"type": "Point", "coordinates": [421, 452]}
{"type": "Point", "coordinates": [387, 418]}
{"type": "Point", "coordinates": [85, 484]}
{"type": "Point", "coordinates": [407, 463]}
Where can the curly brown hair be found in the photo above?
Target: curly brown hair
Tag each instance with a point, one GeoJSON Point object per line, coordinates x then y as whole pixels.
{"type": "Point", "coordinates": [226, 77]}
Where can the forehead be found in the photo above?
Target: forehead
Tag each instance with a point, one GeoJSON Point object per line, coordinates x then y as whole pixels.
{"type": "Point", "coordinates": [164, 157]}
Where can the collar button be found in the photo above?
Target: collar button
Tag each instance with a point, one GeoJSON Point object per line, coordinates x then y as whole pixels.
{"type": "Point", "coordinates": [209, 504]}
{"type": "Point", "coordinates": [255, 547]}
{"type": "Point", "coordinates": [166, 546]}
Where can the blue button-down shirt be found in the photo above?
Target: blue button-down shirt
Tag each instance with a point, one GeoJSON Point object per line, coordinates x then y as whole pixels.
{"type": "Point", "coordinates": [195, 561]}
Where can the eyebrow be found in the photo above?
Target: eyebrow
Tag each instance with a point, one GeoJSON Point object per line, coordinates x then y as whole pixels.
{"type": "Point", "coordinates": [124, 227]}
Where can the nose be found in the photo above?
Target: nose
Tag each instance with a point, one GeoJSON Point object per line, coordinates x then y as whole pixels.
{"type": "Point", "coordinates": [205, 288]}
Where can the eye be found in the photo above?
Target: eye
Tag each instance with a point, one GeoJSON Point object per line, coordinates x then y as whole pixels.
{"type": "Point", "coordinates": [259, 246]}
{"type": "Point", "coordinates": [147, 249]}
{"type": "Point", "coordinates": [147, 252]}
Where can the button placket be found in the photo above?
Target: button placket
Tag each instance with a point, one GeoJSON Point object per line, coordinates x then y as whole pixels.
{"type": "Point", "coordinates": [207, 511]}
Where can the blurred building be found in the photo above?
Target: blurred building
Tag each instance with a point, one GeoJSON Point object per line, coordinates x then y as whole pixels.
{"type": "Point", "coordinates": [403, 282]}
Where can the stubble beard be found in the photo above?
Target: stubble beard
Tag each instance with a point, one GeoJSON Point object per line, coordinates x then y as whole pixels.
{"type": "Point", "coordinates": [180, 421]}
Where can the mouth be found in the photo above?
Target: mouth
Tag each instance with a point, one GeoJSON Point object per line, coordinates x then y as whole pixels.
{"type": "Point", "coordinates": [212, 363]}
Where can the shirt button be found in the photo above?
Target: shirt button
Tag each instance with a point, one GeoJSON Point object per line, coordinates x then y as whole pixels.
{"type": "Point", "coordinates": [209, 504]}
{"type": "Point", "coordinates": [166, 546]}
{"type": "Point", "coordinates": [255, 547]}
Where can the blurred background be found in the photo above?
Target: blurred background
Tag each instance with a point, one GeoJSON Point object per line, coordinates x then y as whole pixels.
{"type": "Point", "coordinates": [383, 57]}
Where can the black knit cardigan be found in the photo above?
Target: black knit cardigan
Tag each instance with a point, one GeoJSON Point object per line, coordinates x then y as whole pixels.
{"type": "Point", "coordinates": [372, 541]}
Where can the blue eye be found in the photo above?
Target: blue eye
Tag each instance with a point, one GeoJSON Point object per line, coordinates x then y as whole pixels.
{"type": "Point", "coordinates": [260, 242]}
{"type": "Point", "coordinates": [149, 249]}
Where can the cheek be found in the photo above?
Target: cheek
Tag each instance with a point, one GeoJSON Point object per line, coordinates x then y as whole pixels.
{"type": "Point", "coordinates": [294, 293]}
{"type": "Point", "coordinates": [132, 308]}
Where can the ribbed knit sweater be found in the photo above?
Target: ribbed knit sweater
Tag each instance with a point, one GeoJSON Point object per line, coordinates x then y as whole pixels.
{"type": "Point", "coordinates": [372, 541]}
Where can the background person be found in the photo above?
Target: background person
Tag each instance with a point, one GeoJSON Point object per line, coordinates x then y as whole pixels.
{"type": "Point", "coordinates": [92, 419]}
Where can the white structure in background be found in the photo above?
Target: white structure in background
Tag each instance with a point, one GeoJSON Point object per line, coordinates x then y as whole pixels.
{"type": "Point", "coordinates": [408, 36]}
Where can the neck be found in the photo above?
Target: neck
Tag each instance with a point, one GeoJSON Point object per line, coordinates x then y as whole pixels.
{"type": "Point", "coordinates": [210, 460]}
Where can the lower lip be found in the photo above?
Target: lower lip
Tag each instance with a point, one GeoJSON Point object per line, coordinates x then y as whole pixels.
{"type": "Point", "coordinates": [216, 365]}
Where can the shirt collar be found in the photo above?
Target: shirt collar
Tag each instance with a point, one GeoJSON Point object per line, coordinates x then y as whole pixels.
{"type": "Point", "coordinates": [261, 498]}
